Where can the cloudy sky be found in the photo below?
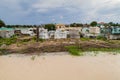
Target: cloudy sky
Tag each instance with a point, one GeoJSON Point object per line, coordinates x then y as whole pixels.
{"type": "Point", "coordinates": [59, 11]}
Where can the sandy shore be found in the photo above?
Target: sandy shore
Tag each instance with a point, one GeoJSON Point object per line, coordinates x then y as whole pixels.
{"type": "Point", "coordinates": [59, 67]}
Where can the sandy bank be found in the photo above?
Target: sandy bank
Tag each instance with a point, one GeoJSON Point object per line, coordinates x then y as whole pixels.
{"type": "Point", "coordinates": [60, 67]}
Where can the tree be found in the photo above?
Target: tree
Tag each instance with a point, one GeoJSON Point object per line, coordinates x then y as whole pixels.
{"type": "Point", "coordinates": [76, 25]}
{"type": "Point", "coordinates": [111, 23]}
{"type": "Point", "coordinates": [94, 23]}
{"type": "Point", "coordinates": [50, 27]}
{"type": "Point", "coordinates": [2, 23]}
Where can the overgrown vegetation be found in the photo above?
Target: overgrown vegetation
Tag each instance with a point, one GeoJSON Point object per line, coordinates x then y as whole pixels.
{"type": "Point", "coordinates": [105, 49]}
{"type": "Point", "coordinates": [73, 46]}
{"type": "Point", "coordinates": [40, 39]}
{"type": "Point", "coordinates": [8, 41]}
{"type": "Point", "coordinates": [84, 39]}
{"type": "Point", "coordinates": [101, 38]}
{"type": "Point", "coordinates": [50, 27]}
{"type": "Point", "coordinates": [33, 58]}
{"type": "Point", "coordinates": [74, 50]}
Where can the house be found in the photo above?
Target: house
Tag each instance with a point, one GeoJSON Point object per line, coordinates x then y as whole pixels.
{"type": "Point", "coordinates": [51, 34]}
{"type": "Point", "coordinates": [27, 31]}
{"type": "Point", "coordinates": [74, 34]}
{"type": "Point", "coordinates": [74, 28]}
{"type": "Point", "coordinates": [6, 32]}
{"type": "Point", "coordinates": [85, 32]}
{"type": "Point", "coordinates": [114, 33]}
{"type": "Point", "coordinates": [91, 32]}
{"type": "Point", "coordinates": [43, 33]}
{"type": "Point", "coordinates": [67, 27]}
{"type": "Point", "coordinates": [60, 27]}
{"type": "Point", "coordinates": [60, 34]}
{"type": "Point", "coordinates": [94, 31]}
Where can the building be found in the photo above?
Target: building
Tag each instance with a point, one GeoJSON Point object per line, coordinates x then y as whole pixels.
{"type": "Point", "coordinates": [94, 31]}
{"type": "Point", "coordinates": [91, 32]}
{"type": "Point", "coordinates": [60, 27]}
{"type": "Point", "coordinates": [25, 31]}
{"type": "Point", "coordinates": [51, 34]}
{"type": "Point", "coordinates": [74, 34]}
{"type": "Point", "coordinates": [6, 32]}
{"type": "Point", "coordinates": [59, 34]}
{"type": "Point", "coordinates": [43, 33]}
{"type": "Point", "coordinates": [114, 33]}
{"type": "Point", "coordinates": [67, 28]}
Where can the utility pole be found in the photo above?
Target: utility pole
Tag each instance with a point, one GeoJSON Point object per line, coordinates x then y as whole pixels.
{"type": "Point", "coordinates": [37, 32]}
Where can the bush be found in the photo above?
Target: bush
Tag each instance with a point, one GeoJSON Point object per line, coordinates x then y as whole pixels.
{"type": "Point", "coordinates": [73, 50]}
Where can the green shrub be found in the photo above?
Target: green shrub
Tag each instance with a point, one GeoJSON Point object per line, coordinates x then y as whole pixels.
{"type": "Point", "coordinates": [73, 50]}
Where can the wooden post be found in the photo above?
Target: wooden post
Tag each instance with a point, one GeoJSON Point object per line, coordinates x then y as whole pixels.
{"type": "Point", "coordinates": [37, 32]}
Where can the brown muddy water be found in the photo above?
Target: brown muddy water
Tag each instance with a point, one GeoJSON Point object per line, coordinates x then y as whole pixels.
{"type": "Point", "coordinates": [59, 67]}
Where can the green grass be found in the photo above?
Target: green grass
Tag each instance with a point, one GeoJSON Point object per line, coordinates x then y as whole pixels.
{"type": "Point", "coordinates": [105, 49]}
{"type": "Point", "coordinates": [73, 50]}
{"type": "Point", "coordinates": [33, 58]}
{"type": "Point", "coordinates": [40, 39]}
{"type": "Point", "coordinates": [85, 39]}
{"type": "Point", "coordinates": [7, 41]}
{"type": "Point", "coordinates": [101, 38]}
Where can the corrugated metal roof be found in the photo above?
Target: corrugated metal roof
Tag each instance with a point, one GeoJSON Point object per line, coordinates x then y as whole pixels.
{"type": "Point", "coordinates": [6, 29]}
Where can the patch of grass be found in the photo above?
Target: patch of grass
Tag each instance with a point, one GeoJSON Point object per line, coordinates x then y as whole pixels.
{"type": "Point", "coordinates": [105, 49]}
{"type": "Point", "coordinates": [8, 41]}
{"type": "Point", "coordinates": [85, 39]}
{"type": "Point", "coordinates": [95, 53]}
{"type": "Point", "coordinates": [40, 39]}
{"type": "Point", "coordinates": [73, 50]}
{"type": "Point", "coordinates": [33, 58]}
{"type": "Point", "coordinates": [101, 38]}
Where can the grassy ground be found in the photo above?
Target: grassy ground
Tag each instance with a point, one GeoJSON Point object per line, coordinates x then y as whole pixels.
{"type": "Point", "coordinates": [74, 46]}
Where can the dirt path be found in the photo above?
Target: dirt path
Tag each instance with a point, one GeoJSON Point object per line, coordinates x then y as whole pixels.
{"type": "Point", "coordinates": [59, 67]}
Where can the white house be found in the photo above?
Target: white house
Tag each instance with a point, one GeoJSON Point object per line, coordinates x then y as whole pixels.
{"type": "Point", "coordinates": [59, 34]}
{"type": "Point", "coordinates": [43, 33]}
{"type": "Point", "coordinates": [28, 31]}
{"type": "Point", "coordinates": [51, 34]}
{"type": "Point", "coordinates": [74, 34]}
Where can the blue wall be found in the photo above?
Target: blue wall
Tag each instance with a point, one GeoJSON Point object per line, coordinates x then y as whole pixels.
{"type": "Point", "coordinates": [115, 30]}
